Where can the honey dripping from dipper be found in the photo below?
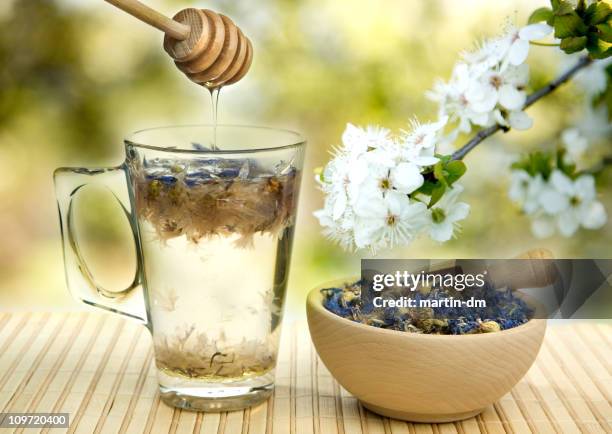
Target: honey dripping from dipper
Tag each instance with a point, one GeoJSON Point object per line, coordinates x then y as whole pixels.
{"type": "Point", "coordinates": [206, 46]}
{"type": "Point", "coordinates": [215, 54]}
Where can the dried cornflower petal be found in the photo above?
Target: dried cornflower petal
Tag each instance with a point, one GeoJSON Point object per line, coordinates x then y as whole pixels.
{"type": "Point", "coordinates": [203, 198]}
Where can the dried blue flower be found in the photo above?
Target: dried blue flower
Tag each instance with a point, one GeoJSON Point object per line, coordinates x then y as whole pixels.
{"type": "Point", "coordinates": [167, 180]}
{"type": "Point", "coordinates": [228, 173]}
{"type": "Point", "coordinates": [208, 197]}
{"type": "Point", "coordinates": [503, 309]}
{"type": "Point", "coordinates": [195, 178]}
{"type": "Point", "coordinates": [336, 303]}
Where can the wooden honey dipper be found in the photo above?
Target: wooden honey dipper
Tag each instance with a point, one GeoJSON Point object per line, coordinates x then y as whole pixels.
{"type": "Point", "coordinates": [207, 47]}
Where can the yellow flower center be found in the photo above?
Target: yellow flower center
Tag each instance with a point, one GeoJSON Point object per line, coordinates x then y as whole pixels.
{"type": "Point", "coordinates": [438, 215]}
{"type": "Point", "coordinates": [496, 81]}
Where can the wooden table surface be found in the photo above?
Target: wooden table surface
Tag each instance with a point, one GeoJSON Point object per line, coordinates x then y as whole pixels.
{"type": "Point", "coordinates": [99, 369]}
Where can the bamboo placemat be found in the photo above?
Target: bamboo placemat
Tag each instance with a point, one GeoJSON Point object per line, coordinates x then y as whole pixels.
{"type": "Point", "coordinates": [99, 369]}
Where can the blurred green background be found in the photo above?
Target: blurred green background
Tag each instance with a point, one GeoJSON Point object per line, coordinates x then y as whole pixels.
{"type": "Point", "coordinates": [77, 76]}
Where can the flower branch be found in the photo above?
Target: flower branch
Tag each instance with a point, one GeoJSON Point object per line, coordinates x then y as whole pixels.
{"type": "Point", "coordinates": [530, 100]}
{"type": "Point", "coordinates": [384, 190]}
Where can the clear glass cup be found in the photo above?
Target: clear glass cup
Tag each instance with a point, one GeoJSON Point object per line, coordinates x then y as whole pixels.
{"type": "Point", "coordinates": [212, 211]}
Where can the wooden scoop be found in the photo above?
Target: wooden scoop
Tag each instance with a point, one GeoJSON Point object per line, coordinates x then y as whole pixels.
{"type": "Point", "coordinates": [532, 269]}
{"type": "Point", "coordinates": [207, 47]}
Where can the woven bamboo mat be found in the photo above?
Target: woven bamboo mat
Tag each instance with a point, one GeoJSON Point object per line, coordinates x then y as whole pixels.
{"type": "Point", "coordinates": [99, 369]}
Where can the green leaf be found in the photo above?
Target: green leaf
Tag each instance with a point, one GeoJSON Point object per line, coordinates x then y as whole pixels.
{"type": "Point", "coordinates": [597, 13]}
{"type": "Point", "coordinates": [320, 173]}
{"type": "Point", "coordinates": [598, 49]}
{"type": "Point", "coordinates": [573, 44]}
{"type": "Point", "coordinates": [455, 170]}
{"type": "Point", "coordinates": [443, 158]}
{"type": "Point", "coordinates": [569, 25]}
{"type": "Point", "coordinates": [589, 13]}
{"type": "Point", "coordinates": [437, 194]}
{"type": "Point", "coordinates": [539, 15]}
{"type": "Point", "coordinates": [536, 163]}
{"type": "Point", "coordinates": [568, 168]}
{"type": "Point", "coordinates": [605, 32]}
{"type": "Point", "coordinates": [602, 54]}
{"type": "Point", "coordinates": [564, 8]}
{"type": "Point", "coordinates": [427, 188]}
{"type": "Point", "coordinates": [439, 172]}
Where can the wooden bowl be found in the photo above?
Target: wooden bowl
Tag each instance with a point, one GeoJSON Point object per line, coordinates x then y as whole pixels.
{"type": "Point", "coordinates": [419, 377]}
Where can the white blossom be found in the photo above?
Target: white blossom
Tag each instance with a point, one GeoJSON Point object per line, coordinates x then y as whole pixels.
{"type": "Point", "coordinates": [558, 203]}
{"type": "Point", "coordinates": [543, 226]}
{"type": "Point", "coordinates": [518, 41]}
{"type": "Point", "coordinates": [507, 86]}
{"type": "Point", "coordinates": [404, 177]}
{"type": "Point", "coordinates": [389, 220]}
{"type": "Point", "coordinates": [574, 203]}
{"type": "Point", "coordinates": [592, 79]}
{"type": "Point", "coordinates": [339, 231]}
{"type": "Point", "coordinates": [418, 145]}
{"type": "Point", "coordinates": [336, 180]}
{"type": "Point", "coordinates": [462, 100]}
{"type": "Point", "coordinates": [488, 85]}
{"type": "Point", "coordinates": [357, 140]}
{"type": "Point", "coordinates": [575, 144]}
{"type": "Point", "coordinates": [512, 47]}
{"type": "Point", "coordinates": [526, 190]}
{"type": "Point", "coordinates": [594, 123]}
{"type": "Point", "coordinates": [519, 120]}
{"type": "Point", "coordinates": [369, 186]}
{"type": "Point", "coordinates": [445, 215]}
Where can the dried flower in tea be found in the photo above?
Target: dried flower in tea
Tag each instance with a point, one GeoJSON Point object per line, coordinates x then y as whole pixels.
{"type": "Point", "coordinates": [195, 355]}
{"type": "Point", "coordinates": [207, 197]}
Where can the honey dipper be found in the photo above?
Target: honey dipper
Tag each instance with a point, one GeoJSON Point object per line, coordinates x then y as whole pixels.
{"type": "Point", "coordinates": [206, 46]}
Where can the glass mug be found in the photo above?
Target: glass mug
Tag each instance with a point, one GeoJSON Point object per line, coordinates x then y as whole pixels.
{"type": "Point", "coordinates": [212, 211]}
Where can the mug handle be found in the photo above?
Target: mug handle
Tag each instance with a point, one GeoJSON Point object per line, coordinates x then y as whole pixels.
{"type": "Point", "coordinates": [68, 181]}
